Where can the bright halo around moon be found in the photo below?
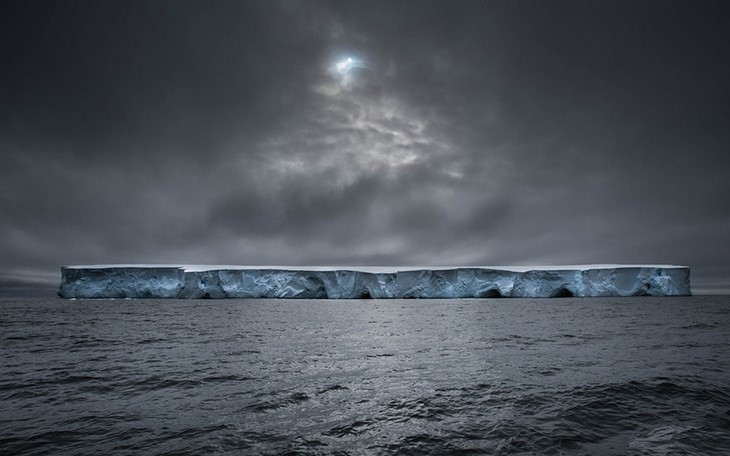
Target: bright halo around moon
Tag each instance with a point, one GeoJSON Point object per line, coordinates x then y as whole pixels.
{"type": "Point", "coordinates": [347, 70]}
{"type": "Point", "coordinates": [343, 65]}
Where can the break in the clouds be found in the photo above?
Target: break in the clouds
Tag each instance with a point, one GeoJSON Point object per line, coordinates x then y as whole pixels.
{"type": "Point", "coordinates": [391, 133]}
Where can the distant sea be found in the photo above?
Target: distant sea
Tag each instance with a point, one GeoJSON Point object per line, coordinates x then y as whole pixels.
{"type": "Point", "coordinates": [605, 376]}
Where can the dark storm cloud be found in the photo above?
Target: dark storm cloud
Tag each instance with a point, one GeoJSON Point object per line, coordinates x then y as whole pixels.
{"type": "Point", "coordinates": [464, 133]}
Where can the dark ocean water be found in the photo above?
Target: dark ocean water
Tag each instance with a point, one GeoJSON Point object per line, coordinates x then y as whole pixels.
{"type": "Point", "coordinates": [637, 376]}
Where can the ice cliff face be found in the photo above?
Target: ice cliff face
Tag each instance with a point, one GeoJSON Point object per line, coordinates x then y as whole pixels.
{"type": "Point", "coordinates": [122, 282]}
{"type": "Point", "coordinates": [360, 283]}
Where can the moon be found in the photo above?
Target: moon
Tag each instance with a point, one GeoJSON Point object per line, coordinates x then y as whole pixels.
{"type": "Point", "coordinates": [346, 69]}
{"type": "Point", "coordinates": [344, 65]}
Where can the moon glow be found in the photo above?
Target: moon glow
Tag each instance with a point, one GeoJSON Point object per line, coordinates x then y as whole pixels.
{"type": "Point", "coordinates": [344, 65]}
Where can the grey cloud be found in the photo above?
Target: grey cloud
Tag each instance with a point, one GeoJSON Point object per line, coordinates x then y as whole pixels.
{"type": "Point", "coordinates": [474, 133]}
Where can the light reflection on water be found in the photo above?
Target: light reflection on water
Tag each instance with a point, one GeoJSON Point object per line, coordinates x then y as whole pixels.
{"type": "Point", "coordinates": [567, 376]}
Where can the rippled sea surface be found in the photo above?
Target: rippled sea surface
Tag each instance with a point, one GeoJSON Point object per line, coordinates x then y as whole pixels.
{"type": "Point", "coordinates": [637, 376]}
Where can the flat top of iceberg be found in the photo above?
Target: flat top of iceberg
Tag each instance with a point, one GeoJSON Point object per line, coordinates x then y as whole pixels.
{"type": "Point", "coordinates": [376, 269]}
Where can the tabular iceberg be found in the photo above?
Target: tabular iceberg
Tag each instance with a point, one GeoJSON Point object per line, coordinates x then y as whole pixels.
{"type": "Point", "coordinates": [195, 282]}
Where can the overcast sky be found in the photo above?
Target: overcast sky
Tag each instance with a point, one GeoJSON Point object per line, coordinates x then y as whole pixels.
{"type": "Point", "coordinates": [364, 133]}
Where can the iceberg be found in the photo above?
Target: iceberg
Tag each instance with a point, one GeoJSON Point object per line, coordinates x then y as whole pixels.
{"type": "Point", "coordinates": [218, 282]}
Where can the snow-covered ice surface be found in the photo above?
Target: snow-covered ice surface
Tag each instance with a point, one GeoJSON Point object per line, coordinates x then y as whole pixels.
{"type": "Point", "coordinates": [358, 282]}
